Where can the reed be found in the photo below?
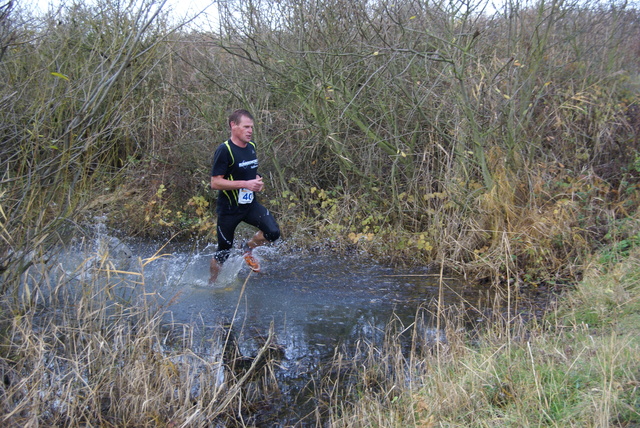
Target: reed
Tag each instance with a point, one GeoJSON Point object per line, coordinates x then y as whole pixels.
{"type": "Point", "coordinates": [68, 118]}
{"type": "Point", "coordinates": [576, 367]}
{"type": "Point", "coordinates": [89, 346]}
{"type": "Point", "coordinates": [433, 130]}
{"type": "Point", "coordinates": [94, 347]}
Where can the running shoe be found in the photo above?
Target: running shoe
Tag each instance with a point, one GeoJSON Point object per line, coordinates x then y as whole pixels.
{"type": "Point", "coordinates": [251, 261]}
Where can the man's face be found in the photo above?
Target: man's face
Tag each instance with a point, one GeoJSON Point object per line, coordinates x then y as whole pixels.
{"type": "Point", "coordinates": [243, 130]}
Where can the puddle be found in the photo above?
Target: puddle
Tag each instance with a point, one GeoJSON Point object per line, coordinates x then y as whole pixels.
{"type": "Point", "coordinates": [314, 304]}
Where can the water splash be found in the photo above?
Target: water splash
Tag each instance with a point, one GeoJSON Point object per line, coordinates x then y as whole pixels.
{"type": "Point", "coordinates": [228, 278]}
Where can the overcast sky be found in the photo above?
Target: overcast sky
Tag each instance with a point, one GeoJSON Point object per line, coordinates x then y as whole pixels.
{"type": "Point", "coordinates": [181, 8]}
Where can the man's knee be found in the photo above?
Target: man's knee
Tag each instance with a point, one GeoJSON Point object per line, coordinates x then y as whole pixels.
{"type": "Point", "coordinates": [272, 234]}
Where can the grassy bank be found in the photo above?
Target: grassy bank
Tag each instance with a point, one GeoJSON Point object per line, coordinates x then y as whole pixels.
{"type": "Point", "coordinates": [579, 366]}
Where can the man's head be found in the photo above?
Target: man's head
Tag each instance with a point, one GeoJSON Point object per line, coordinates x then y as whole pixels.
{"type": "Point", "coordinates": [241, 124]}
{"type": "Point", "coordinates": [239, 114]}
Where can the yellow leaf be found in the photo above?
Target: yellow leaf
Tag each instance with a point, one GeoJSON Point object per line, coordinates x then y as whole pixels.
{"type": "Point", "coordinates": [60, 75]}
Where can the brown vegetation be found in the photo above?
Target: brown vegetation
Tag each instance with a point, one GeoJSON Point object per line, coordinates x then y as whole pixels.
{"type": "Point", "coordinates": [503, 146]}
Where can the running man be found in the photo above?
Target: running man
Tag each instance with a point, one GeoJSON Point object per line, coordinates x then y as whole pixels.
{"type": "Point", "coordinates": [235, 174]}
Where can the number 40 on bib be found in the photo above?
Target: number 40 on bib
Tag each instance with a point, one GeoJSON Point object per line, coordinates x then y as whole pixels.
{"type": "Point", "coordinates": [245, 196]}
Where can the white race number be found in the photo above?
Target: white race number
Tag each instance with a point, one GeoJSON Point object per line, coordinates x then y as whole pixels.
{"type": "Point", "coordinates": [245, 196]}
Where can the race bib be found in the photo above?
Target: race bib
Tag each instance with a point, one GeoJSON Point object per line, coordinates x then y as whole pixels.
{"type": "Point", "coordinates": [245, 196]}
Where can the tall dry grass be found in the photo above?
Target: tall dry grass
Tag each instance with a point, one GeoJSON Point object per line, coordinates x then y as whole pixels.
{"type": "Point", "coordinates": [419, 132]}
{"type": "Point", "coordinates": [83, 98]}
{"type": "Point", "coordinates": [72, 117]}
{"type": "Point", "coordinates": [92, 346]}
{"type": "Point", "coordinates": [577, 366]}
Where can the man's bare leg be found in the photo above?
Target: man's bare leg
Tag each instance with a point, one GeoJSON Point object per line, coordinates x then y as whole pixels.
{"type": "Point", "coordinates": [214, 270]}
{"type": "Point", "coordinates": [256, 241]}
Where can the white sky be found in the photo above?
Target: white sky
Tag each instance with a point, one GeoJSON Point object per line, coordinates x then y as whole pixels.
{"type": "Point", "coordinates": [180, 8]}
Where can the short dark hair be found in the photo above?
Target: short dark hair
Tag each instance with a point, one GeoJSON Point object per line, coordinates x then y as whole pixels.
{"type": "Point", "coordinates": [238, 114]}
